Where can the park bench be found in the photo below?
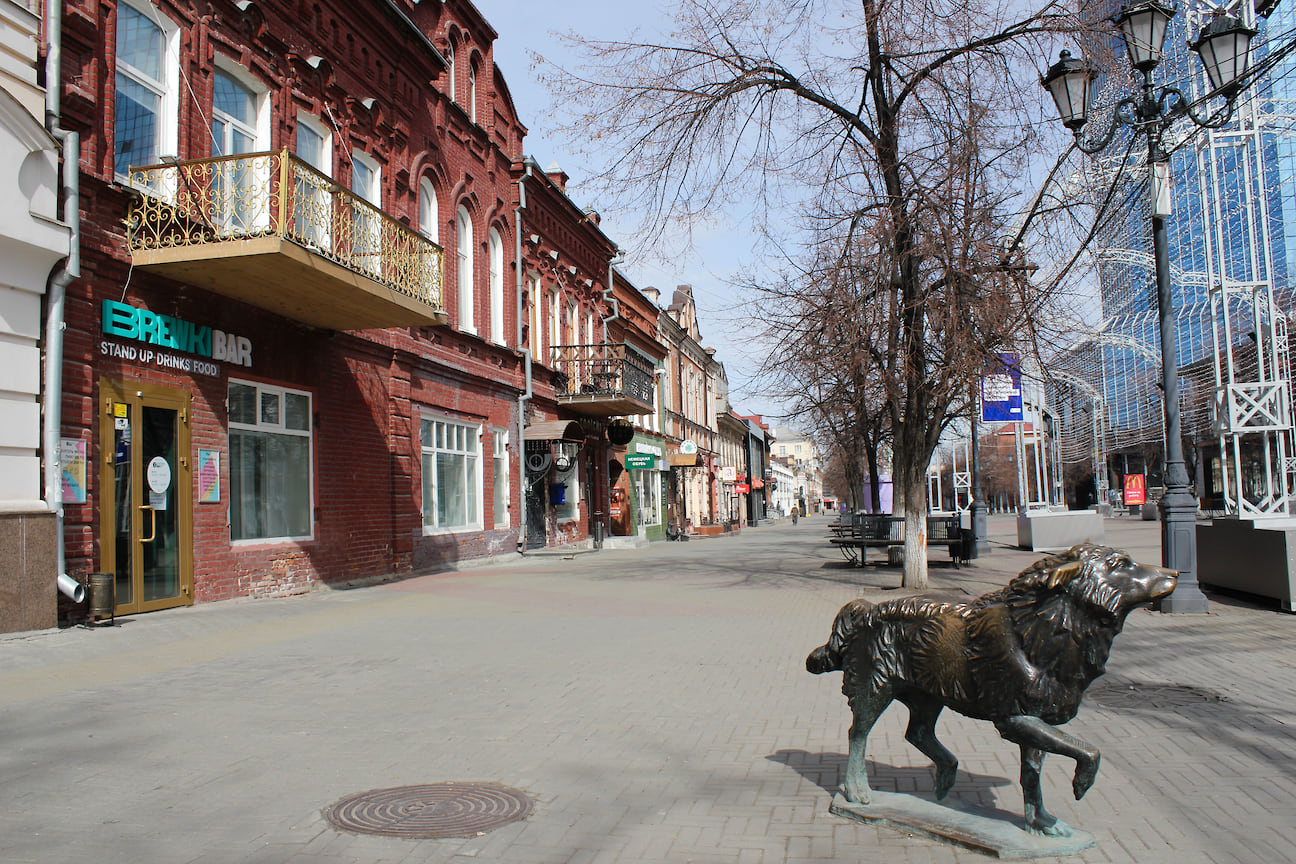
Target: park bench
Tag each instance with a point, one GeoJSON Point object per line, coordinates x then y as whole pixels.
{"type": "Point", "coordinates": [878, 530]}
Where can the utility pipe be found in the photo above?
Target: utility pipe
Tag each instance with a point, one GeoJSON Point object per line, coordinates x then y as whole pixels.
{"type": "Point", "coordinates": [526, 395]}
{"type": "Point", "coordinates": [56, 296]}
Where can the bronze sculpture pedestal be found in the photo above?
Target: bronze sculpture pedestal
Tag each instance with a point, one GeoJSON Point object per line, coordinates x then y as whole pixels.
{"type": "Point", "coordinates": [960, 825]}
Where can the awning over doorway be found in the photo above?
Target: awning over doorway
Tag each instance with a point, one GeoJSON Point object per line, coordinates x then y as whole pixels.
{"type": "Point", "coordinates": [554, 430]}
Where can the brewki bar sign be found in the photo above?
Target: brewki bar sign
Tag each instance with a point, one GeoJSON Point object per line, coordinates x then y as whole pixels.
{"type": "Point", "coordinates": [164, 331]}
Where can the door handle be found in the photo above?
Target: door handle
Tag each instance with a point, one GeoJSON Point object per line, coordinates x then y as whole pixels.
{"type": "Point", "coordinates": [152, 524]}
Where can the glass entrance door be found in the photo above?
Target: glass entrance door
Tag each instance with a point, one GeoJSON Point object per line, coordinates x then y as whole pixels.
{"type": "Point", "coordinates": [146, 503]}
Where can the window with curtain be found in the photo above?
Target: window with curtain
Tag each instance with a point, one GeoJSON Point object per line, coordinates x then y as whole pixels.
{"type": "Point", "coordinates": [451, 474]}
{"type": "Point", "coordinates": [269, 462]}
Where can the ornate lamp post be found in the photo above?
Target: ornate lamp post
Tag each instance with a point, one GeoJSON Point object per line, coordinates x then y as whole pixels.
{"type": "Point", "coordinates": [1223, 47]}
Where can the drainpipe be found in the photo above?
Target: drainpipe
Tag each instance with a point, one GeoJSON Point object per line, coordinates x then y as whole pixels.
{"type": "Point", "coordinates": [612, 302]}
{"type": "Point", "coordinates": [56, 295]}
{"type": "Point", "coordinates": [615, 306]}
{"type": "Point", "coordinates": [526, 357]}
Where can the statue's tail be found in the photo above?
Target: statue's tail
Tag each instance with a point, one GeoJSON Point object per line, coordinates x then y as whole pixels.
{"type": "Point", "coordinates": [828, 657]}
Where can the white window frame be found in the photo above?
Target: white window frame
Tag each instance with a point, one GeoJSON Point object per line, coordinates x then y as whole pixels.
{"type": "Point", "coordinates": [167, 89]}
{"type": "Point", "coordinates": [450, 67]}
{"type": "Point", "coordinates": [309, 189]}
{"type": "Point", "coordinates": [555, 322]}
{"type": "Point", "coordinates": [648, 516]}
{"type": "Point", "coordinates": [464, 241]}
{"type": "Point", "coordinates": [280, 428]}
{"type": "Point", "coordinates": [246, 211]}
{"type": "Point", "coordinates": [569, 510]}
{"type": "Point", "coordinates": [429, 224]}
{"type": "Point", "coordinates": [366, 225]}
{"type": "Point", "coordinates": [496, 256]}
{"type": "Point", "coordinates": [500, 466]}
{"type": "Point", "coordinates": [472, 91]}
{"type": "Point", "coordinates": [535, 314]}
{"type": "Point", "coordinates": [459, 438]}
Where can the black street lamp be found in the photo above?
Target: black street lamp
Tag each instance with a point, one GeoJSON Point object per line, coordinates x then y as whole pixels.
{"type": "Point", "coordinates": [1223, 47]}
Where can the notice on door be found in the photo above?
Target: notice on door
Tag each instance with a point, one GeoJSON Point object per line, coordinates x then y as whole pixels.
{"type": "Point", "coordinates": [159, 481]}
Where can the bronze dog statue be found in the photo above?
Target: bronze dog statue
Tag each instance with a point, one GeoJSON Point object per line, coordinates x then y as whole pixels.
{"type": "Point", "coordinates": [1020, 657]}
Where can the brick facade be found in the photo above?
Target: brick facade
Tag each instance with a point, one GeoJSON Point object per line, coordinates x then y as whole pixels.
{"type": "Point", "coordinates": [379, 75]}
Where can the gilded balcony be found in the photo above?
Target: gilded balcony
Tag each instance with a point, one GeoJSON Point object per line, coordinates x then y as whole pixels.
{"type": "Point", "coordinates": [271, 231]}
{"type": "Point", "coordinates": [603, 380]}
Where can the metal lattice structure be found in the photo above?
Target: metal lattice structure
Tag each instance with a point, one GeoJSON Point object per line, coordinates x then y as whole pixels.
{"type": "Point", "coordinates": [1232, 238]}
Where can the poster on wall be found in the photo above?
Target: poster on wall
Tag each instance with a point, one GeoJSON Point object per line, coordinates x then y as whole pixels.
{"type": "Point", "coordinates": [72, 456]}
{"type": "Point", "coordinates": [208, 476]}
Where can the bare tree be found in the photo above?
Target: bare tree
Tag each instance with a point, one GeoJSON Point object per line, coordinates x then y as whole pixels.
{"type": "Point", "coordinates": [896, 128]}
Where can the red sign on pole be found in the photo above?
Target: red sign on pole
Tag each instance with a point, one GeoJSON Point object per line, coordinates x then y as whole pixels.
{"type": "Point", "coordinates": [1135, 489]}
{"type": "Point", "coordinates": [742, 488]}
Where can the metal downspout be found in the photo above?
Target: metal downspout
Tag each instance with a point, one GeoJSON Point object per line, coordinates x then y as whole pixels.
{"type": "Point", "coordinates": [526, 359]}
{"type": "Point", "coordinates": [56, 295]}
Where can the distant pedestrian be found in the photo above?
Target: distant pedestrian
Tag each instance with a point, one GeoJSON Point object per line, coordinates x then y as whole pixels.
{"type": "Point", "coordinates": [795, 513]}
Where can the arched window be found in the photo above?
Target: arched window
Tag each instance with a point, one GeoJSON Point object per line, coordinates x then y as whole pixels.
{"type": "Point", "coordinates": [427, 214]}
{"type": "Point", "coordinates": [464, 248]}
{"type": "Point", "coordinates": [450, 68]}
{"type": "Point", "coordinates": [472, 92]}
{"type": "Point", "coordinates": [496, 248]}
{"type": "Point", "coordinates": [146, 121]}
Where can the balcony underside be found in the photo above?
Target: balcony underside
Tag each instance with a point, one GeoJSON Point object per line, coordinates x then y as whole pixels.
{"type": "Point", "coordinates": [283, 277]}
{"type": "Point", "coordinates": [615, 405]}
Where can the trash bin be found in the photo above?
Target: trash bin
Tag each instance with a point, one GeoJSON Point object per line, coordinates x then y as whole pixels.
{"type": "Point", "coordinates": [103, 597]}
{"type": "Point", "coordinates": [968, 541]}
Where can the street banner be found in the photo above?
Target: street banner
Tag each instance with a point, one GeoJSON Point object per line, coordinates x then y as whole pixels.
{"type": "Point", "coordinates": [1001, 392]}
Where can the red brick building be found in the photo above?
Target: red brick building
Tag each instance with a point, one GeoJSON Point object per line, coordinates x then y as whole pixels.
{"type": "Point", "coordinates": [324, 301]}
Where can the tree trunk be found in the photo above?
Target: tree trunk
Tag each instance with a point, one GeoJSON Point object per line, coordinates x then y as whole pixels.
{"type": "Point", "coordinates": [915, 513]}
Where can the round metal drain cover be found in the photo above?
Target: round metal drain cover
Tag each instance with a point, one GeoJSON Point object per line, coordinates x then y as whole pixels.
{"type": "Point", "coordinates": [1133, 694]}
{"type": "Point", "coordinates": [432, 811]}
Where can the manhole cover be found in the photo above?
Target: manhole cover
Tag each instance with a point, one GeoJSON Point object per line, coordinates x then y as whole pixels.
{"type": "Point", "coordinates": [431, 811]}
{"type": "Point", "coordinates": [1134, 694]}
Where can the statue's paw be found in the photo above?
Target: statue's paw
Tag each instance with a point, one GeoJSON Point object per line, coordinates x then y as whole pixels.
{"type": "Point", "coordinates": [945, 775]}
{"type": "Point", "coordinates": [856, 793]}
{"type": "Point", "coordinates": [1040, 821]}
{"type": "Point", "coordinates": [1085, 775]}
{"type": "Point", "coordinates": [1055, 828]}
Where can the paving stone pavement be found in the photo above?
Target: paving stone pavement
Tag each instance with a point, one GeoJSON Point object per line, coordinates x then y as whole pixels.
{"type": "Point", "coordinates": [652, 702]}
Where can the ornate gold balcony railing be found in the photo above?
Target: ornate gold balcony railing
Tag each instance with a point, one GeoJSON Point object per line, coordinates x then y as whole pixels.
{"type": "Point", "coordinates": [192, 215]}
{"type": "Point", "coordinates": [603, 380]}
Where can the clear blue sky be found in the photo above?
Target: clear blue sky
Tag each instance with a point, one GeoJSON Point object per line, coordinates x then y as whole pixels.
{"type": "Point", "coordinates": [720, 251]}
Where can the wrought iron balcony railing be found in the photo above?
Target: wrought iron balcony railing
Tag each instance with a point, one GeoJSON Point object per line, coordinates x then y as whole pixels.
{"type": "Point", "coordinates": [186, 208]}
{"type": "Point", "coordinates": [604, 380]}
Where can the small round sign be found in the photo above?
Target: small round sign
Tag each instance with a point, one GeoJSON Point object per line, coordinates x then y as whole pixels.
{"type": "Point", "coordinates": [159, 474]}
{"type": "Point", "coordinates": [688, 446]}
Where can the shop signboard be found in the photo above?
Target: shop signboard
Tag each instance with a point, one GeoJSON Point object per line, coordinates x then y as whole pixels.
{"type": "Point", "coordinates": [640, 461]}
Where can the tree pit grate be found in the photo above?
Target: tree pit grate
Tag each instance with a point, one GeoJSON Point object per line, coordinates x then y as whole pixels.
{"type": "Point", "coordinates": [431, 811]}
